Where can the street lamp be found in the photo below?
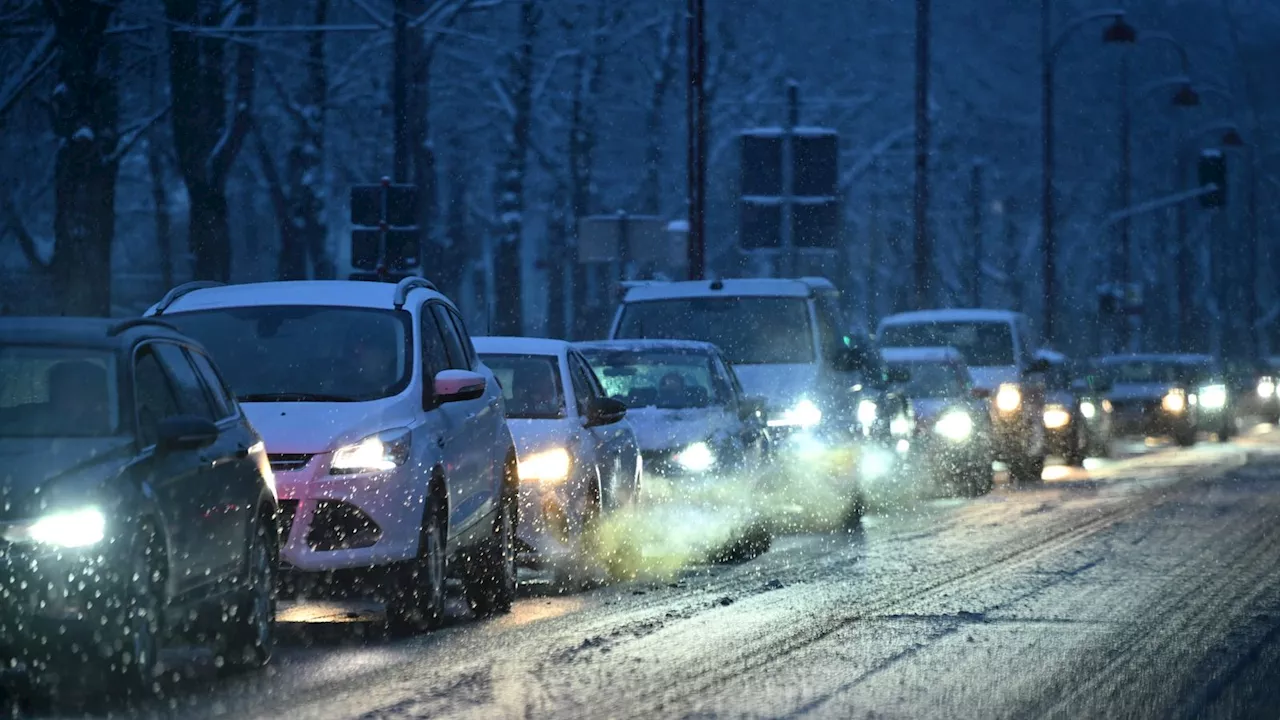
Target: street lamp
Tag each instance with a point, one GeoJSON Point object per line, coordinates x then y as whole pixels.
{"type": "Point", "coordinates": [1119, 31]}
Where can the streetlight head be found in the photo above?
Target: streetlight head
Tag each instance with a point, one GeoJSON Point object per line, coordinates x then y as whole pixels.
{"type": "Point", "coordinates": [1232, 138]}
{"type": "Point", "coordinates": [1120, 31]}
{"type": "Point", "coordinates": [1186, 96]}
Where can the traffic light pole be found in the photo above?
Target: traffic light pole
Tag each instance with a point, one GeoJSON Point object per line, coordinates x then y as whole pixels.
{"type": "Point", "coordinates": [786, 234]}
{"type": "Point", "coordinates": [696, 119]}
{"type": "Point", "coordinates": [922, 246]}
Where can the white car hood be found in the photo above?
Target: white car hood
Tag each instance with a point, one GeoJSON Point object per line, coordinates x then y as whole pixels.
{"type": "Point", "coordinates": [780, 385]}
{"type": "Point", "coordinates": [989, 377]}
{"type": "Point", "coordinates": [659, 429]}
{"type": "Point", "coordinates": [316, 427]}
{"type": "Point", "coordinates": [535, 435]}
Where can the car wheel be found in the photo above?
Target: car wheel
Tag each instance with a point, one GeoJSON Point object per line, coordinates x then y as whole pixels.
{"type": "Point", "coordinates": [491, 572]}
{"type": "Point", "coordinates": [852, 520]}
{"type": "Point", "coordinates": [1185, 437]}
{"type": "Point", "coordinates": [417, 604]}
{"type": "Point", "coordinates": [251, 637]}
{"type": "Point", "coordinates": [1027, 470]}
{"type": "Point", "coordinates": [131, 641]}
{"type": "Point", "coordinates": [1078, 450]}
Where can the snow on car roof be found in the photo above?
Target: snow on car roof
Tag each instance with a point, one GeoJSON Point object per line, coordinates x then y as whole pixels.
{"type": "Point", "coordinates": [342, 293]}
{"type": "Point", "coordinates": [1052, 356]}
{"type": "Point", "coordinates": [494, 345]}
{"type": "Point", "coordinates": [922, 355]}
{"type": "Point", "coordinates": [640, 345]}
{"type": "Point", "coordinates": [759, 287]}
{"type": "Point", "coordinates": [1173, 358]}
{"type": "Point", "coordinates": [919, 317]}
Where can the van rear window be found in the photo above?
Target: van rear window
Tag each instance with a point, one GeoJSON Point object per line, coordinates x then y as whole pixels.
{"type": "Point", "coordinates": [749, 330]}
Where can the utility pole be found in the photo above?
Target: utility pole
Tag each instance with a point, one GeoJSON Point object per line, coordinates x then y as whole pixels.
{"type": "Point", "coordinates": [1185, 270]}
{"type": "Point", "coordinates": [1126, 196]}
{"type": "Point", "coordinates": [696, 119]}
{"type": "Point", "coordinates": [975, 231]}
{"type": "Point", "coordinates": [922, 246]}
{"type": "Point", "coordinates": [400, 91]}
{"type": "Point", "coordinates": [787, 238]}
{"type": "Point", "coordinates": [1049, 248]}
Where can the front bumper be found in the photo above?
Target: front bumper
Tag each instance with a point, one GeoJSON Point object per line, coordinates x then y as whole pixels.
{"type": "Point", "coordinates": [1018, 435]}
{"type": "Point", "coordinates": [1148, 417]}
{"type": "Point", "coordinates": [340, 522]}
{"type": "Point", "coordinates": [553, 519]}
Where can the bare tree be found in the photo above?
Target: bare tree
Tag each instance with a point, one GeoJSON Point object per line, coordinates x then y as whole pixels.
{"type": "Point", "coordinates": [663, 74]}
{"type": "Point", "coordinates": [207, 134]}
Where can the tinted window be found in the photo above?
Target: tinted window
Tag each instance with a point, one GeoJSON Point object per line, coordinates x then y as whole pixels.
{"type": "Point", "coordinates": [192, 396]}
{"type": "Point", "coordinates": [750, 330]}
{"type": "Point", "coordinates": [58, 392]}
{"type": "Point", "coordinates": [935, 380]}
{"type": "Point", "coordinates": [530, 385]}
{"type": "Point", "coordinates": [224, 403]}
{"type": "Point", "coordinates": [583, 389]}
{"type": "Point", "coordinates": [464, 337]}
{"type": "Point", "coordinates": [452, 343]}
{"type": "Point", "coordinates": [434, 357]}
{"type": "Point", "coordinates": [658, 378]}
{"type": "Point", "coordinates": [154, 395]}
{"type": "Point", "coordinates": [981, 343]}
{"type": "Point", "coordinates": [306, 353]}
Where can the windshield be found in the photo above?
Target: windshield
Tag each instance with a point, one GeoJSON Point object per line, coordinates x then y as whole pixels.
{"type": "Point", "coordinates": [670, 380]}
{"type": "Point", "coordinates": [1139, 372]}
{"type": "Point", "coordinates": [749, 330]}
{"type": "Point", "coordinates": [306, 353]}
{"type": "Point", "coordinates": [58, 392]}
{"type": "Point", "coordinates": [983, 344]}
{"type": "Point", "coordinates": [530, 385]}
{"type": "Point", "coordinates": [934, 380]}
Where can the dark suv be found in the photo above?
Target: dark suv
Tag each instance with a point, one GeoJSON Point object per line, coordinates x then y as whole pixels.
{"type": "Point", "coordinates": [136, 504]}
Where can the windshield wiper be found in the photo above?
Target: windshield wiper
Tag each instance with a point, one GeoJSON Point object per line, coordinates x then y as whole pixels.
{"type": "Point", "coordinates": [293, 397]}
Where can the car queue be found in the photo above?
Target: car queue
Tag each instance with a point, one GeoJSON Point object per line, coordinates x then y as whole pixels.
{"type": "Point", "coordinates": [179, 474]}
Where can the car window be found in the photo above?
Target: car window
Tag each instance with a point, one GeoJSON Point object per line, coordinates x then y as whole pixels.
{"type": "Point", "coordinates": [435, 359]}
{"type": "Point", "coordinates": [583, 389]}
{"type": "Point", "coordinates": [458, 359]}
{"type": "Point", "coordinates": [464, 339]}
{"type": "Point", "coordinates": [224, 404]}
{"type": "Point", "coordinates": [193, 399]}
{"type": "Point", "coordinates": [663, 378]}
{"type": "Point", "coordinates": [982, 343]}
{"type": "Point", "coordinates": [50, 391]}
{"type": "Point", "coordinates": [153, 393]}
{"type": "Point", "coordinates": [830, 335]}
{"type": "Point", "coordinates": [750, 330]}
{"type": "Point", "coordinates": [531, 385]}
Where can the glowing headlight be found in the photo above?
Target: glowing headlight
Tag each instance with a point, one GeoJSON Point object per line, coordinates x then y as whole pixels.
{"type": "Point", "coordinates": [1008, 398]}
{"type": "Point", "coordinates": [803, 414]}
{"type": "Point", "coordinates": [1056, 416]}
{"type": "Point", "coordinates": [696, 458]}
{"type": "Point", "coordinates": [1175, 401]}
{"type": "Point", "coordinates": [954, 425]}
{"type": "Point", "coordinates": [899, 426]}
{"type": "Point", "coordinates": [71, 529]}
{"type": "Point", "coordinates": [385, 451]}
{"type": "Point", "coordinates": [548, 466]}
{"type": "Point", "coordinates": [1088, 410]}
{"type": "Point", "coordinates": [867, 412]}
{"type": "Point", "coordinates": [1213, 397]}
{"type": "Point", "coordinates": [1266, 388]}
{"type": "Point", "coordinates": [1106, 406]}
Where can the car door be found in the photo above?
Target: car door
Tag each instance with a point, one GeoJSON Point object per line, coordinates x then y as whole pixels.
{"type": "Point", "coordinates": [494, 420]}
{"type": "Point", "coordinates": [221, 534]}
{"type": "Point", "coordinates": [466, 455]}
{"type": "Point", "coordinates": [176, 479]}
{"type": "Point", "coordinates": [751, 429]}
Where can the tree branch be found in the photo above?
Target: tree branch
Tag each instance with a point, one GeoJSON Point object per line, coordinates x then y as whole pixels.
{"type": "Point", "coordinates": [18, 228]}
{"type": "Point", "coordinates": [275, 186]}
{"type": "Point", "coordinates": [35, 63]}
{"type": "Point", "coordinates": [130, 137]}
{"type": "Point", "coordinates": [228, 146]}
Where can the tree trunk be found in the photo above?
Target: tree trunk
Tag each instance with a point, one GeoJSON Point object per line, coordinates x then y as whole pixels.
{"type": "Point", "coordinates": [651, 193]}
{"type": "Point", "coordinates": [209, 232]}
{"type": "Point", "coordinates": [510, 202]}
{"type": "Point", "coordinates": [306, 173]}
{"type": "Point", "coordinates": [160, 206]}
{"type": "Point", "coordinates": [86, 123]}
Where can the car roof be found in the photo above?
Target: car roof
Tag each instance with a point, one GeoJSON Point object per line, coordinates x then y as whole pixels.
{"type": "Point", "coordinates": [341, 293]}
{"type": "Point", "coordinates": [920, 317]}
{"type": "Point", "coordinates": [640, 345]}
{"type": "Point", "coordinates": [1172, 358]}
{"type": "Point", "coordinates": [91, 332]}
{"type": "Point", "coordinates": [1052, 356]}
{"type": "Point", "coordinates": [922, 355]}
{"type": "Point", "coordinates": [497, 345]}
{"type": "Point", "coordinates": [755, 287]}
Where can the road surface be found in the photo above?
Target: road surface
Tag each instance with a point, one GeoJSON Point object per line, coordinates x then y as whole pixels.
{"type": "Point", "coordinates": [1147, 587]}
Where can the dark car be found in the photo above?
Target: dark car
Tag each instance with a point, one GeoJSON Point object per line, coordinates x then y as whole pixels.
{"type": "Point", "coordinates": [136, 504]}
{"type": "Point", "coordinates": [1077, 414]}
{"type": "Point", "coordinates": [1169, 394]}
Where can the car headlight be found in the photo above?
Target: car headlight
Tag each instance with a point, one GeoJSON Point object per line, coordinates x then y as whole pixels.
{"type": "Point", "coordinates": [803, 414]}
{"type": "Point", "coordinates": [867, 412]}
{"type": "Point", "coordinates": [1056, 417]}
{"type": "Point", "coordinates": [384, 451]}
{"type": "Point", "coordinates": [548, 466]}
{"type": "Point", "coordinates": [698, 457]}
{"type": "Point", "coordinates": [1106, 406]}
{"type": "Point", "coordinates": [1175, 401]}
{"type": "Point", "coordinates": [1266, 388]}
{"type": "Point", "coordinates": [899, 426]}
{"type": "Point", "coordinates": [1088, 410]}
{"type": "Point", "coordinates": [68, 529]}
{"type": "Point", "coordinates": [1008, 398]}
{"type": "Point", "coordinates": [1213, 397]}
{"type": "Point", "coordinates": [955, 425]}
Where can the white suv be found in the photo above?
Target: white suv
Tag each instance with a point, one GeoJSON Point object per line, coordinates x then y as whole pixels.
{"type": "Point", "coordinates": [385, 431]}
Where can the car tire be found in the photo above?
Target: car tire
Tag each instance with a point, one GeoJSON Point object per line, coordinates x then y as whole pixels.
{"type": "Point", "coordinates": [131, 636]}
{"type": "Point", "coordinates": [417, 603]}
{"type": "Point", "coordinates": [251, 637]}
{"type": "Point", "coordinates": [1078, 450]}
{"type": "Point", "coordinates": [852, 519]}
{"type": "Point", "coordinates": [1226, 432]}
{"type": "Point", "coordinates": [491, 570]}
{"type": "Point", "coordinates": [1027, 470]}
{"type": "Point", "coordinates": [1185, 437]}
{"type": "Point", "coordinates": [979, 481]}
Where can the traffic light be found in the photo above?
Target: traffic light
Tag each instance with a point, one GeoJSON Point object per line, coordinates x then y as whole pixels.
{"type": "Point", "coordinates": [385, 235]}
{"type": "Point", "coordinates": [1213, 171]}
{"type": "Point", "coordinates": [815, 188]}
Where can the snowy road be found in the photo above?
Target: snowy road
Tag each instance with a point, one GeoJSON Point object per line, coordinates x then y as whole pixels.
{"type": "Point", "coordinates": [1144, 588]}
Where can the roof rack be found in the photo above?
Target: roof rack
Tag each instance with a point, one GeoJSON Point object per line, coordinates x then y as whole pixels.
{"type": "Point", "coordinates": [132, 323]}
{"type": "Point", "coordinates": [175, 294]}
{"type": "Point", "coordinates": [408, 284]}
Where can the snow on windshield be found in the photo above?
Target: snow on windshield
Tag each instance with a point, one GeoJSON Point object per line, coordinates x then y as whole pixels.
{"type": "Point", "coordinates": [669, 380]}
{"type": "Point", "coordinates": [749, 330]}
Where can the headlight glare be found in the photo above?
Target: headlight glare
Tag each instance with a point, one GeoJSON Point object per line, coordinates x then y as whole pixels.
{"type": "Point", "coordinates": [1008, 398]}
{"type": "Point", "coordinates": [1213, 397]}
{"type": "Point", "coordinates": [1056, 417]}
{"type": "Point", "coordinates": [867, 412]}
{"type": "Point", "coordinates": [955, 425]}
{"type": "Point", "coordinates": [1266, 388]}
{"type": "Point", "coordinates": [803, 414]}
{"type": "Point", "coordinates": [698, 457]}
{"type": "Point", "coordinates": [377, 453]}
{"type": "Point", "coordinates": [548, 466]}
{"type": "Point", "coordinates": [1175, 401]}
{"type": "Point", "coordinates": [69, 529]}
{"type": "Point", "coordinates": [1088, 410]}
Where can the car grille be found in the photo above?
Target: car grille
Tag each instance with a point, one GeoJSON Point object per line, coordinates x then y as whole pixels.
{"type": "Point", "coordinates": [337, 525]}
{"type": "Point", "coordinates": [284, 462]}
{"type": "Point", "coordinates": [1135, 408]}
{"type": "Point", "coordinates": [288, 511]}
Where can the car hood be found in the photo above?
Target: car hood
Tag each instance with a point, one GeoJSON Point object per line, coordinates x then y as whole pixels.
{"type": "Point", "coordinates": [660, 429]}
{"type": "Point", "coordinates": [35, 472]}
{"type": "Point", "coordinates": [310, 427]}
{"type": "Point", "coordinates": [533, 436]}
{"type": "Point", "coordinates": [989, 377]}
{"type": "Point", "coordinates": [1138, 391]}
{"type": "Point", "coordinates": [780, 385]}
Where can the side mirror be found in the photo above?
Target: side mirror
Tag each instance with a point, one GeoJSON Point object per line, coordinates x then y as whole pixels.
{"type": "Point", "coordinates": [980, 393]}
{"type": "Point", "coordinates": [1038, 366]}
{"type": "Point", "coordinates": [751, 407]}
{"type": "Point", "coordinates": [185, 432]}
{"type": "Point", "coordinates": [458, 385]}
{"type": "Point", "coordinates": [898, 374]}
{"type": "Point", "coordinates": [606, 411]}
